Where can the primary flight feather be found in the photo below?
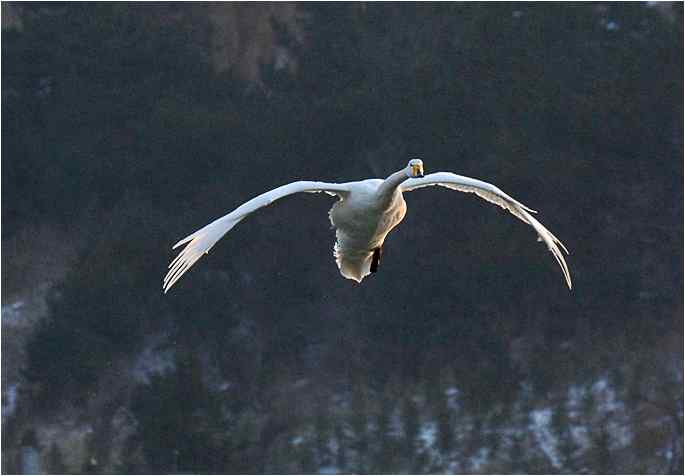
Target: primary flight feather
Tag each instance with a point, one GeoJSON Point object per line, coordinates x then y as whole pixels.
{"type": "Point", "coordinates": [362, 217]}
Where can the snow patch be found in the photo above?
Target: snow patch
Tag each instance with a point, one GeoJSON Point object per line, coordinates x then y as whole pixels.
{"type": "Point", "coordinates": [452, 394]}
{"type": "Point", "coordinates": [540, 426]}
{"type": "Point", "coordinates": [151, 362]}
{"type": "Point", "coordinates": [12, 313]}
{"type": "Point", "coordinates": [428, 434]}
{"type": "Point", "coordinates": [479, 459]}
{"type": "Point", "coordinates": [9, 401]}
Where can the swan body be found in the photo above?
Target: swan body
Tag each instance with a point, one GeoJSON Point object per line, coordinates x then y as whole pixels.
{"type": "Point", "coordinates": [362, 223]}
{"type": "Point", "coordinates": [366, 211]}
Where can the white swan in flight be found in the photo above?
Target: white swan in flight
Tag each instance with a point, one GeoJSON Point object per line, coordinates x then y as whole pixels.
{"type": "Point", "coordinates": [362, 217]}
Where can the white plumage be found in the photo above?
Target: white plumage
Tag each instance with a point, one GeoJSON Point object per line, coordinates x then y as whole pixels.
{"type": "Point", "coordinates": [362, 217]}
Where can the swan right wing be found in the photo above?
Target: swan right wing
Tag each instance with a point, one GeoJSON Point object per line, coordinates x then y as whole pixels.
{"type": "Point", "coordinates": [200, 242]}
{"type": "Point", "coordinates": [493, 194]}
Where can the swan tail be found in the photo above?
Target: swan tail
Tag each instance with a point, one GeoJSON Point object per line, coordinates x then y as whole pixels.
{"type": "Point", "coordinates": [354, 265]}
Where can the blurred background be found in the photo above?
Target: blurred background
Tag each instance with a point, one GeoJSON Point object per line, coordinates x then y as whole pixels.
{"type": "Point", "coordinates": [128, 126]}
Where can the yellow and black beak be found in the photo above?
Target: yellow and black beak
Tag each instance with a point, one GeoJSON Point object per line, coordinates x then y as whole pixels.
{"type": "Point", "coordinates": [417, 170]}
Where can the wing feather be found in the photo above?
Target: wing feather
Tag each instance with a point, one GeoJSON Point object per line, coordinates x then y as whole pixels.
{"type": "Point", "coordinates": [494, 195]}
{"type": "Point", "coordinates": [201, 241]}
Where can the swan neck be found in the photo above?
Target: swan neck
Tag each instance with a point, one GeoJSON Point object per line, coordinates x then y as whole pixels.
{"type": "Point", "coordinates": [389, 186]}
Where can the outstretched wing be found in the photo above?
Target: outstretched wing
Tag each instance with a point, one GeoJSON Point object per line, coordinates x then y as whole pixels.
{"type": "Point", "coordinates": [494, 195]}
{"type": "Point", "coordinates": [205, 238]}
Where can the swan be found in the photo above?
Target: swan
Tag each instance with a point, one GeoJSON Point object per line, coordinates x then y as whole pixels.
{"type": "Point", "coordinates": [366, 211]}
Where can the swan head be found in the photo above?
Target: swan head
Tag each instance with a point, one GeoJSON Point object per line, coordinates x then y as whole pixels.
{"type": "Point", "coordinates": [415, 168]}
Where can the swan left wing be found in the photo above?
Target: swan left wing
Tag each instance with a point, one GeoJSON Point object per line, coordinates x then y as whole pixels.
{"type": "Point", "coordinates": [494, 195]}
{"type": "Point", "coordinates": [200, 242]}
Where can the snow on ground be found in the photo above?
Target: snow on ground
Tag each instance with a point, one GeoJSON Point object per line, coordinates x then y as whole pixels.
{"type": "Point", "coordinates": [479, 459]}
{"type": "Point", "coordinates": [71, 436]}
{"type": "Point", "coordinates": [9, 401]}
{"type": "Point", "coordinates": [543, 434]}
{"type": "Point", "coordinates": [452, 394]}
{"type": "Point", "coordinates": [16, 325]}
{"type": "Point", "coordinates": [428, 434]}
{"type": "Point", "coordinates": [153, 361]}
{"type": "Point", "coordinates": [12, 313]}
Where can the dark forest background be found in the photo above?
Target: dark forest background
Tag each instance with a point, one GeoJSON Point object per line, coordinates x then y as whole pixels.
{"type": "Point", "coordinates": [465, 353]}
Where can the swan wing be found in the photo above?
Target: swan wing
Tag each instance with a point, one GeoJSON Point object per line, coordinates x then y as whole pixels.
{"type": "Point", "coordinates": [200, 242]}
{"type": "Point", "coordinates": [494, 195]}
